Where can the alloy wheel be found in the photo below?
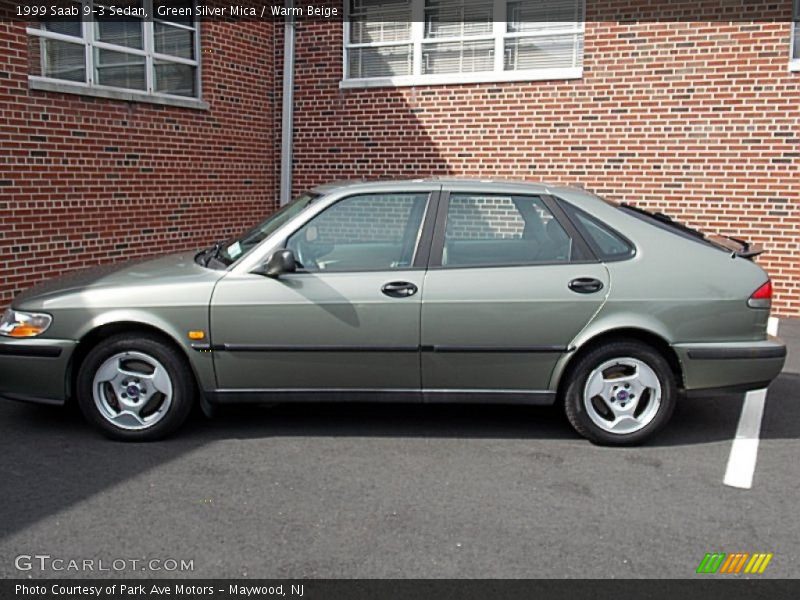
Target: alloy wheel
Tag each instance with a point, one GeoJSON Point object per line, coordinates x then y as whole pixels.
{"type": "Point", "coordinates": [622, 395]}
{"type": "Point", "coordinates": [132, 390]}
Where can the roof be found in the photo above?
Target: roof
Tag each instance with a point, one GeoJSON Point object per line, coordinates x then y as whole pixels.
{"type": "Point", "coordinates": [494, 185]}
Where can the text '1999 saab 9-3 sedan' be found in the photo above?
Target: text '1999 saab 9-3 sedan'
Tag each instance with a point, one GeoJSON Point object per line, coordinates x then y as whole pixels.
{"type": "Point", "coordinates": [413, 291]}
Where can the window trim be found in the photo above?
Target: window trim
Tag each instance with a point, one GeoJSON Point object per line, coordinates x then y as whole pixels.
{"type": "Point", "coordinates": [422, 246]}
{"type": "Point", "coordinates": [91, 88]}
{"type": "Point", "coordinates": [499, 34]}
{"type": "Point", "coordinates": [585, 251]}
{"type": "Point", "coordinates": [794, 61]}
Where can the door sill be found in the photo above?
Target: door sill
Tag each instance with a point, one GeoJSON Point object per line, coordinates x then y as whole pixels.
{"type": "Point", "coordinates": [432, 396]}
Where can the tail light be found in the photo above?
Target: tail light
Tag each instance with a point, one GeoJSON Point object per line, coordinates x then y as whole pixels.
{"type": "Point", "coordinates": [762, 297]}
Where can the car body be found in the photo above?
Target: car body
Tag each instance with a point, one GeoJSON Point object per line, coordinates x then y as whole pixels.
{"type": "Point", "coordinates": [423, 291]}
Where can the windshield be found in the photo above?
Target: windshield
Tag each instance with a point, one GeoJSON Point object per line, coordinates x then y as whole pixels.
{"type": "Point", "coordinates": [234, 249]}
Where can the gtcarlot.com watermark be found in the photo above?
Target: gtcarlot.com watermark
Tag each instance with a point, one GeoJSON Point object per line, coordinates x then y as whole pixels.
{"type": "Point", "coordinates": [58, 564]}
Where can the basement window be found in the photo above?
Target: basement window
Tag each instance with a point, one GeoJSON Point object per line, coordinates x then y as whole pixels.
{"type": "Point", "coordinates": [118, 54]}
{"type": "Point", "coordinates": [428, 42]}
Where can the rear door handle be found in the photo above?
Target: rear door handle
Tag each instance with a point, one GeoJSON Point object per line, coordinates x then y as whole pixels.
{"type": "Point", "coordinates": [585, 285]}
{"type": "Point", "coordinates": [399, 289]}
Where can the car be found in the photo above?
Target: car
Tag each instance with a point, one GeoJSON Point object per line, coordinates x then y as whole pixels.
{"type": "Point", "coordinates": [435, 290]}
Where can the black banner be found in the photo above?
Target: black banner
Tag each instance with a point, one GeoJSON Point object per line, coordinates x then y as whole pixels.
{"type": "Point", "coordinates": [710, 588]}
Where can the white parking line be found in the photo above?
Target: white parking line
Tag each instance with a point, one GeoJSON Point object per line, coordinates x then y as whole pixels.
{"type": "Point", "coordinates": [744, 450]}
{"type": "Point", "coordinates": [772, 326]}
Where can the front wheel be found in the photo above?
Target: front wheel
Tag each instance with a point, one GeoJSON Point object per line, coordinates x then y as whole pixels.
{"type": "Point", "coordinates": [135, 388]}
{"type": "Point", "coordinates": [620, 393]}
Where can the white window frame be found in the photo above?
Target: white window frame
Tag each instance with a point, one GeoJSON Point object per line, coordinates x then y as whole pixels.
{"type": "Point", "coordinates": [794, 62]}
{"type": "Point", "coordinates": [499, 34]}
{"type": "Point", "coordinates": [89, 40]}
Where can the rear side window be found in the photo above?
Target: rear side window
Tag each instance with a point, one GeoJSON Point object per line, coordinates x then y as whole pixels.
{"type": "Point", "coordinates": [606, 243]}
{"type": "Point", "coordinates": [499, 230]}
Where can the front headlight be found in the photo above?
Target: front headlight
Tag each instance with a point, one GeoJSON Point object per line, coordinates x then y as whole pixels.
{"type": "Point", "coordinates": [18, 324]}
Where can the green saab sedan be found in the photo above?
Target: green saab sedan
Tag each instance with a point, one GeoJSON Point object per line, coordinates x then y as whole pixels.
{"type": "Point", "coordinates": [411, 291]}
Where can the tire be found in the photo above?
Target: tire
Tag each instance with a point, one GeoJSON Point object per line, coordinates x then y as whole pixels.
{"type": "Point", "coordinates": [620, 393]}
{"type": "Point", "coordinates": [135, 388]}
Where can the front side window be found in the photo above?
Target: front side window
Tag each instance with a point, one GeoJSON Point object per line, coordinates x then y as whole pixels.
{"type": "Point", "coordinates": [362, 233]}
{"type": "Point", "coordinates": [119, 50]}
{"type": "Point", "coordinates": [410, 42]}
{"type": "Point", "coordinates": [502, 230]}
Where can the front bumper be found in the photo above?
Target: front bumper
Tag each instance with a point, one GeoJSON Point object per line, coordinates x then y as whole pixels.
{"type": "Point", "coordinates": [736, 366]}
{"type": "Point", "coordinates": [35, 370]}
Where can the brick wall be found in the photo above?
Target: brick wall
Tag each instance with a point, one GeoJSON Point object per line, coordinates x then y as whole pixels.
{"type": "Point", "coordinates": [87, 180]}
{"type": "Point", "coordinates": [700, 119]}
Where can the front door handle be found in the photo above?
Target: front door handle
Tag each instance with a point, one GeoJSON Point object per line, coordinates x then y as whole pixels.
{"type": "Point", "coordinates": [585, 285]}
{"type": "Point", "coordinates": [399, 289]}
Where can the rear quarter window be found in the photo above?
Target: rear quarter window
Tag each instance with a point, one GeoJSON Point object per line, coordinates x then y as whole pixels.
{"type": "Point", "coordinates": [606, 243]}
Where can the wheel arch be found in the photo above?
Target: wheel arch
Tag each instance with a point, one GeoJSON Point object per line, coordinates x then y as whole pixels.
{"type": "Point", "coordinates": [657, 341]}
{"type": "Point", "coordinates": [95, 335]}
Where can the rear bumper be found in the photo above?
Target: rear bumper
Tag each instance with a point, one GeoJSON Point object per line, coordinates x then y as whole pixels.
{"type": "Point", "coordinates": [739, 366]}
{"type": "Point", "coordinates": [35, 370]}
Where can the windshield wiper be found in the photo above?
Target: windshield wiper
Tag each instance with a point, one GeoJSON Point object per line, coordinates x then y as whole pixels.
{"type": "Point", "coordinates": [212, 253]}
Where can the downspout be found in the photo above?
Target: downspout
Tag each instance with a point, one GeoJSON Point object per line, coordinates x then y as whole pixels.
{"type": "Point", "coordinates": [287, 113]}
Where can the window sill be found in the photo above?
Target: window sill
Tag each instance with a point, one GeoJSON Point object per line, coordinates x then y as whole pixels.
{"type": "Point", "coordinates": [458, 78]}
{"type": "Point", "coordinates": [47, 85]}
{"type": "Point", "coordinates": [794, 65]}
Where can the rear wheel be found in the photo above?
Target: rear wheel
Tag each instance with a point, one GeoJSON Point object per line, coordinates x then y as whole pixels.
{"type": "Point", "coordinates": [135, 388]}
{"type": "Point", "coordinates": [620, 393]}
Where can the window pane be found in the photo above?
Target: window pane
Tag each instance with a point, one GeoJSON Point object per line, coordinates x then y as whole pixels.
{"type": "Point", "coordinates": [187, 19]}
{"type": "Point", "coordinates": [174, 78]}
{"type": "Point", "coordinates": [609, 245]}
{"type": "Point", "coordinates": [63, 25]}
{"type": "Point", "coordinates": [502, 230]}
{"type": "Point", "coordinates": [370, 232]}
{"type": "Point", "coordinates": [546, 52]}
{"type": "Point", "coordinates": [536, 15]}
{"type": "Point", "coordinates": [120, 31]}
{"type": "Point", "coordinates": [56, 59]}
{"type": "Point", "coordinates": [458, 18]}
{"type": "Point", "coordinates": [384, 61]}
{"type": "Point", "coordinates": [796, 24]}
{"type": "Point", "coordinates": [119, 69]}
{"type": "Point", "coordinates": [174, 41]}
{"type": "Point", "coordinates": [458, 57]}
{"type": "Point", "coordinates": [796, 49]}
{"type": "Point", "coordinates": [379, 21]}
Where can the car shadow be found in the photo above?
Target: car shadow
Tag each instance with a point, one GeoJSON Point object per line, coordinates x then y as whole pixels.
{"type": "Point", "coordinates": [51, 459]}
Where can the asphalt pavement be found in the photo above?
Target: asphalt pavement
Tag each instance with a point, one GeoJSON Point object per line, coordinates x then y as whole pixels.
{"type": "Point", "coordinates": [378, 491]}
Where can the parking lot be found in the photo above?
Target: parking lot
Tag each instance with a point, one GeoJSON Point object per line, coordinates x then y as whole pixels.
{"type": "Point", "coordinates": [402, 491]}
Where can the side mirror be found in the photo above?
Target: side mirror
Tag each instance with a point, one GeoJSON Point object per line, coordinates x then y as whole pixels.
{"type": "Point", "coordinates": [281, 261]}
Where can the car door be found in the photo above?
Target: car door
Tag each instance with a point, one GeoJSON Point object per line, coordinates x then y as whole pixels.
{"type": "Point", "coordinates": [348, 320]}
{"type": "Point", "coordinates": [509, 286]}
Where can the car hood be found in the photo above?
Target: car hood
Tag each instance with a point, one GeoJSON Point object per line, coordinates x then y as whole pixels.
{"type": "Point", "coordinates": [134, 277]}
